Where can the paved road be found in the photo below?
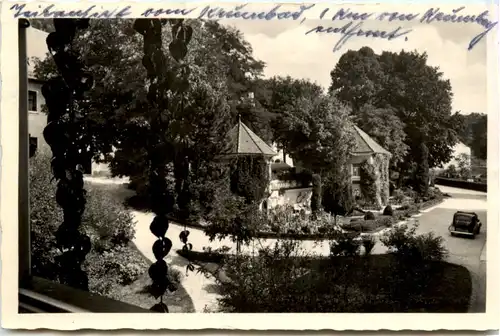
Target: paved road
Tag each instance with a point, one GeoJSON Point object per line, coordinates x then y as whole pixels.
{"type": "Point", "coordinates": [470, 253]}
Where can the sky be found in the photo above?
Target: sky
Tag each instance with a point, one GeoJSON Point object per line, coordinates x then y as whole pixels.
{"type": "Point", "coordinates": [287, 50]}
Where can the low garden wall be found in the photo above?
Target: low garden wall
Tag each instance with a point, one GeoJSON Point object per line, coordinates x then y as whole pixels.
{"type": "Point", "coordinates": [456, 183]}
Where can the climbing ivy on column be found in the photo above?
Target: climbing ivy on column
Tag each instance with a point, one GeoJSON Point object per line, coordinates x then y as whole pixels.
{"type": "Point", "coordinates": [163, 85]}
{"type": "Point", "coordinates": [65, 135]}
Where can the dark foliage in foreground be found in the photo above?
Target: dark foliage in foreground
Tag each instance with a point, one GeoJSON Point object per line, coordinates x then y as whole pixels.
{"type": "Point", "coordinates": [318, 285]}
{"type": "Point", "coordinates": [112, 262]}
{"type": "Point", "coordinates": [411, 279]}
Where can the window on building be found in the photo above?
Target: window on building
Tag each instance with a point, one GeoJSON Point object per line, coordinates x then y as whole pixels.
{"type": "Point", "coordinates": [32, 101]}
{"type": "Point", "coordinates": [356, 170]}
{"type": "Point", "coordinates": [33, 145]}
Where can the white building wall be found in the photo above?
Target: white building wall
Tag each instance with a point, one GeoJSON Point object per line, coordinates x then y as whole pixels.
{"type": "Point", "coordinates": [280, 157]}
{"type": "Point", "coordinates": [293, 197]}
{"type": "Point", "coordinates": [37, 120]}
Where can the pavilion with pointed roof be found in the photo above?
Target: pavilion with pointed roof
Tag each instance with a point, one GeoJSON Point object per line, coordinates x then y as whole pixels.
{"type": "Point", "coordinates": [368, 150]}
{"type": "Point", "coordinates": [242, 141]}
{"type": "Point", "coordinates": [365, 145]}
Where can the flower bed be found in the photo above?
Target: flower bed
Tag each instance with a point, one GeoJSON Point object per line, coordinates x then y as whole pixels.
{"type": "Point", "coordinates": [370, 226]}
{"type": "Point", "coordinates": [285, 223]}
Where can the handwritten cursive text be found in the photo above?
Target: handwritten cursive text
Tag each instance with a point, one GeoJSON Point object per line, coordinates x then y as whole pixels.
{"type": "Point", "coordinates": [350, 30]}
{"type": "Point", "coordinates": [433, 15]}
{"type": "Point", "coordinates": [239, 12]}
{"type": "Point", "coordinates": [50, 11]}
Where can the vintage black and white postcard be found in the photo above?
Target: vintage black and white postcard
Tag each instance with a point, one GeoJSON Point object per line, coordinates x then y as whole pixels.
{"type": "Point", "coordinates": [249, 165]}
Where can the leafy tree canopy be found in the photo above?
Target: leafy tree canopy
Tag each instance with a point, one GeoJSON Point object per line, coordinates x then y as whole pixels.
{"type": "Point", "coordinates": [222, 74]}
{"type": "Point", "coordinates": [475, 133]}
{"type": "Point", "coordinates": [415, 96]}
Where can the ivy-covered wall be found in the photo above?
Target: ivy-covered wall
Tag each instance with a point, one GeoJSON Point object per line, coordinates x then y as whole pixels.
{"type": "Point", "coordinates": [369, 184]}
{"type": "Point", "coordinates": [374, 180]}
{"type": "Point", "coordinates": [250, 178]}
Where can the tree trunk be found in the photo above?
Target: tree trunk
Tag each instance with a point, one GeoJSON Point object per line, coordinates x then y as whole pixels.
{"type": "Point", "coordinates": [399, 182]}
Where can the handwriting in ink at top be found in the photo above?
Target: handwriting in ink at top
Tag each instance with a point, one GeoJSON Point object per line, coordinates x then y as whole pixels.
{"type": "Point", "coordinates": [350, 30]}
{"type": "Point", "coordinates": [50, 11]}
{"type": "Point", "coordinates": [154, 12]}
{"type": "Point", "coordinates": [347, 14]}
{"type": "Point", "coordinates": [433, 15]}
{"type": "Point", "coordinates": [392, 16]}
{"type": "Point", "coordinates": [239, 12]}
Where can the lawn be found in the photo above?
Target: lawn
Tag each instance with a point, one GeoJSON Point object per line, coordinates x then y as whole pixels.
{"type": "Point", "coordinates": [373, 286]}
{"type": "Point", "coordinates": [447, 289]}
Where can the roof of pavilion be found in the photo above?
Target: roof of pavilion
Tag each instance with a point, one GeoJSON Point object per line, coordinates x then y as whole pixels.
{"type": "Point", "coordinates": [242, 141]}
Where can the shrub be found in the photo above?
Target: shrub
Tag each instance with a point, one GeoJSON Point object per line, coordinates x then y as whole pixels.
{"type": "Point", "coordinates": [249, 178]}
{"type": "Point", "coordinates": [368, 244]}
{"type": "Point", "coordinates": [232, 217]}
{"type": "Point", "coordinates": [384, 221]}
{"type": "Point", "coordinates": [322, 229]}
{"type": "Point", "coordinates": [105, 220]}
{"type": "Point", "coordinates": [399, 196]}
{"type": "Point", "coordinates": [421, 181]}
{"type": "Point", "coordinates": [271, 282]}
{"type": "Point", "coordinates": [435, 193]}
{"type": "Point", "coordinates": [430, 247]}
{"type": "Point", "coordinates": [403, 242]}
{"type": "Point", "coordinates": [120, 265]}
{"type": "Point", "coordinates": [345, 246]}
{"type": "Point", "coordinates": [369, 216]}
{"type": "Point", "coordinates": [409, 209]}
{"type": "Point", "coordinates": [368, 180]}
{"type": "Point", "coordinates": [338, 196]}
{"type": "Point", "coordinates": [388, 211]}
{"type": "Point", "coordinates": [316, 193]}
{"type": "Point", "coordinates": [369, 225]}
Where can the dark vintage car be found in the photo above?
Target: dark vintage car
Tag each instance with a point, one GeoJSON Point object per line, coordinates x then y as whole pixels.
{"type": "Point", "coordinates": [465, 223]}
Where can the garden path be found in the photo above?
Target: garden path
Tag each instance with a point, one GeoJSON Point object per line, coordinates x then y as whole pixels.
{"type": "Point", "coordinates": [469, 253]}
{"type": "Point", "coordinates": [198, 287]}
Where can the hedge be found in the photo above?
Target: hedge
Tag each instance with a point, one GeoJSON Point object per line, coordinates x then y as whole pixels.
{"type": "Point", "coordinates": [461, 184]}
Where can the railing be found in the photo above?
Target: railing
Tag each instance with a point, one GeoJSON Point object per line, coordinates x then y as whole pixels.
{"type": "Point", "coordinates": [45, 296]}
{"type": "Point", "coordinates": [279, 184]}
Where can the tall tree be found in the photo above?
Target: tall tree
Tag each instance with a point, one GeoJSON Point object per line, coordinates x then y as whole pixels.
{"type": "Point", "coordinates": [317, 133]}
{"type": "Point", "coordinates": [222, 73]}
{"type": "Point", "coordinates": [385, 127]}
{"type": "Point", "coordinates": [404, 83]}
{"type": "Point", "coordinates": [279, 94]}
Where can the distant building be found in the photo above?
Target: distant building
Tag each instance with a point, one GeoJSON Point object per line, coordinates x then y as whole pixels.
{"type": "Point", "coordinates": [37, 120]}
{"type": "Point", "coordinates": [286, 186]}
